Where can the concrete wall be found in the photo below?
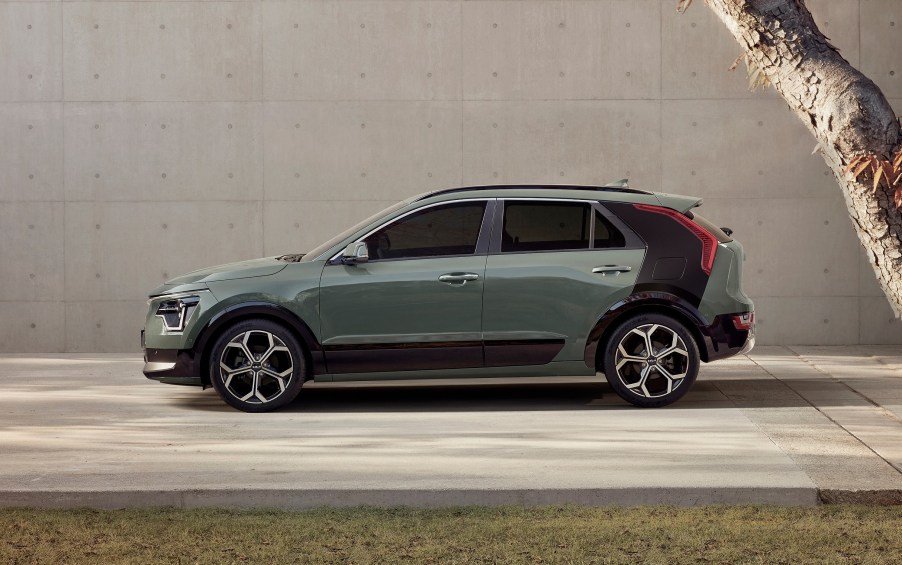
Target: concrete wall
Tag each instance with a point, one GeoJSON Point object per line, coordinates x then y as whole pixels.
{"type": "Point", "coordinates": [139, 140]}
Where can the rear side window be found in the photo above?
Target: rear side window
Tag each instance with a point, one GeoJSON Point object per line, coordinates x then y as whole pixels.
{"type": "Point", "coordinates": [451, 229]}
{"type": "Point", "coordinates": [545, 226]}
{"type": "Point", "coordinates": [606, 235]}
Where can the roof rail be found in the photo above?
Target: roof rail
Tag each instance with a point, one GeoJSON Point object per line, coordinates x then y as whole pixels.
{"type": "Point", "coordinates": [617, 186]}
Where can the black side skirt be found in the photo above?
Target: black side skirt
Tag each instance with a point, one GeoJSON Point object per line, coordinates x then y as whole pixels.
{"type": "Point", "coordinates": [384, 357]}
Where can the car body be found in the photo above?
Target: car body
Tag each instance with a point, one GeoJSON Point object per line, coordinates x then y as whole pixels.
{"type": "Point", "coordinates": [468, 282]}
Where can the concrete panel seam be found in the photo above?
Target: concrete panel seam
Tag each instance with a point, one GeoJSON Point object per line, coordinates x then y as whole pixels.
{"type": "Point", "coordinates": [761, 430]}
{"type": "Point", "coordinates": [836, 423]}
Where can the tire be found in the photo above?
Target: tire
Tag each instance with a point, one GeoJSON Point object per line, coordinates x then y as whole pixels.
{"type": "Point", "coordinates": [651, 380]}
{"type": "Point", "coordinates": [268, 382]}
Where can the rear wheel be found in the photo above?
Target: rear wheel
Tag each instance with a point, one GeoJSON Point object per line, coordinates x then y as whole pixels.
{"type": "Point", "coordinates": [257, 366]}
{"type": "Point", "coordinates": [651, 360]}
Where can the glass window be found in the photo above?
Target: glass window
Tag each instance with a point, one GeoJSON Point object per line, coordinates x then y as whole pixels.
{"type": "Point", "coordinates": [313, 254]}
{"type": "Point", "coordinates": [440, 230]}
{"type": "Point", "coordinates": [606, 235]}
{"type": "Point", "coordinates": [545, 226]}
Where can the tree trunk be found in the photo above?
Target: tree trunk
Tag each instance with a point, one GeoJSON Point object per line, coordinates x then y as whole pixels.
{"type": "Point", "coordinates": [844, 110]}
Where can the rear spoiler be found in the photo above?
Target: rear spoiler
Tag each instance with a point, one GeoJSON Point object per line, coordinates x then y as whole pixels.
{"type": "Point", "coordinates": [681, 204]}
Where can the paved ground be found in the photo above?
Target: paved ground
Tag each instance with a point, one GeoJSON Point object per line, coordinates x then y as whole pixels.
{"type": "Point", "coordinates": [786, 426]}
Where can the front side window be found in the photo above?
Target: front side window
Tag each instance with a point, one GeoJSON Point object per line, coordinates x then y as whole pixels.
{"type": "Point", "coordinates": [545, 226]}
{"type": "Point", "coordinates": [450, 229]}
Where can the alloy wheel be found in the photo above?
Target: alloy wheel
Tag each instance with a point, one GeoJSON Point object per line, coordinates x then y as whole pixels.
{"type": "Point", "coordinates": [651, 360]}
{"type": "Point", "coordinates": [256, 367]}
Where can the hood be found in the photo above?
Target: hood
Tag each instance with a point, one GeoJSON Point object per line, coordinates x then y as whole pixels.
{"type": "Point", "coordinates": [229, 271]}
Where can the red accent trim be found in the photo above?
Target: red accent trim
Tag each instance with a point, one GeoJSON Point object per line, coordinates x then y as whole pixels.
{"type": "Point", "coordinates": [709, 242]}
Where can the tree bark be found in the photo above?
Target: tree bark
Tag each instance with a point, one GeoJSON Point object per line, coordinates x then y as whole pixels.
{"type": "Point", "coordinates": [848, 115]}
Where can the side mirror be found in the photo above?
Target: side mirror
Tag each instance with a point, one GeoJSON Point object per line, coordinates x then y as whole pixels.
{"type": "Point", "coordinates": [354, 253]}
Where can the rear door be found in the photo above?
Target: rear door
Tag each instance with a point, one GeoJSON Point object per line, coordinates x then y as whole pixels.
{"type": "Point", "coordinates": [554, 267]}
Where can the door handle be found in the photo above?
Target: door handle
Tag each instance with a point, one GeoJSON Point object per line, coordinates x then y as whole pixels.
{"type": "Point", "coordinates": [462, 278]}
{"type": "Point", "coordinates": [616, 269]}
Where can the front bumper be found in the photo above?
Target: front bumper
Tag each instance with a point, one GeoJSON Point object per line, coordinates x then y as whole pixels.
{"type": "Point", "coordinates": [172, 366]}
{"type": "Point", "coordinates": [722, 339]}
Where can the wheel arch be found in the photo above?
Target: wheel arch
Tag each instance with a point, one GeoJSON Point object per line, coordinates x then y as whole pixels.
{"type": "Point", "coordinates": [258, 309]}
{"type": "Point", "coordinates": [646, 302]}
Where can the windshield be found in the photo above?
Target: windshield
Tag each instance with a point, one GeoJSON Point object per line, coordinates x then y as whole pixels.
{"type": "Point", "coordinates": [323, 247]}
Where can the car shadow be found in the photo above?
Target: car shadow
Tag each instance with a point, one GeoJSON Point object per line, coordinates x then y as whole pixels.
{"type": "Point", "coordinates": [518, 396]}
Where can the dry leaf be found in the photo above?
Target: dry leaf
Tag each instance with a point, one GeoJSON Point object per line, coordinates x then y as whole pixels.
{"type": "Point", "coordinates": [877, 174]}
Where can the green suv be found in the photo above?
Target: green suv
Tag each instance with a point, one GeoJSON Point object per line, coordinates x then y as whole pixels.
{"type": "Point", "coordinates": [469, 282]}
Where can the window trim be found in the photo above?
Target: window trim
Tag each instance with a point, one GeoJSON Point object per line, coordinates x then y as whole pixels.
{"type": "Point", "coordinates": [482, 240]}
{"type": "Point", "coordinates": [631, 240]}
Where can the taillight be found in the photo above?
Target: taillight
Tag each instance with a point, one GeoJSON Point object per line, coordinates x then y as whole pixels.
{"type": "Point", "coordinates": [744, 321]}
{"type": "Point", "coordinates": [709, 241]}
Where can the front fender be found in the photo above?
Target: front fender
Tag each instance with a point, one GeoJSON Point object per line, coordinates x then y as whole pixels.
{"type": "Point", "coordinates": [261, 309]}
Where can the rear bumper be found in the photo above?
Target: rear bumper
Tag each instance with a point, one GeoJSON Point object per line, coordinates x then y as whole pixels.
{"type": "Point", "coordinates": [722, 339]}
{"type": "Point", "coordinates": [171, 366]}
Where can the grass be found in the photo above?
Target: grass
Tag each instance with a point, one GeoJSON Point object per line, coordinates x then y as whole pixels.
{"type": "Point", "coordinates": [751, 534]}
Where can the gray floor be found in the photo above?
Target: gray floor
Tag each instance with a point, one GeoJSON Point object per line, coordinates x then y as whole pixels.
{"type": "Point", "coordinates": [785, 426]}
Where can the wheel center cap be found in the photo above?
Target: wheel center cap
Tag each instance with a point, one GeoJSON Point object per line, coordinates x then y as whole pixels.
{"type": "Point", "coordinates": [256, 366]}
{"type": "Point", "coordinates": [652, 361]}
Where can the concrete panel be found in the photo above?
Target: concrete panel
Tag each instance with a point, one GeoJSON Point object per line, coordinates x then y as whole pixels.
{"type": "Point", "coordinates": [881, 43]}
{"type": "Point", "coordinates": [839, 21]}
{"type": "Point", "coordinates": [561, 50]}
{"type": "Point", "coordinates": [867, 280]}
{"type": "Point", "coordinates": [878, 324]}
{"type": "Point", "coordinates": [30, 52]}
{"type": "Point", "coordinates": [162, 51]}
{"type": "Point", "coordinates": [32, 327]}
{"type": "Point", "coordinates": [105, 326]}
{"type": "Point", "coordinates": [121, 250]}
{"type": "Point", "coordinates": [31, 158]}
{"type": "Point", "coordinates": [803, 320]}
{"type": "Point", "coordinates": [739, 148]}
{"type": "Point", "coordinates": [200, 151]}
{"type": "Point", "coordinates": [565, 142]}
{"type": "Point", "coordinates": [697, 51]}
{"type": "Point", "coordinates": [796, 247]}
{"type": "Point", "coordinates": [345, 107]}
{"type": "Point", "coordinates": [360, 150]}
{"type": "Point", "coordinates": [297, 227]}
{"type": "Point", "coordinates": [361, 50]}
{"type": "Point", "coordinates": [31, 251]}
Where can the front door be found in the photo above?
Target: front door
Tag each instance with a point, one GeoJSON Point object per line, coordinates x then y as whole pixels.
{"type": "Point", "coordinates": [555, 268]}
{"type": "Point", "coordinates": [417, 303]}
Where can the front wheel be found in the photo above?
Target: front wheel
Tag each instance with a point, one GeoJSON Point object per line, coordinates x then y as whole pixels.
{"type": "Point", "coordinates": [257, 366]}
{"type": "Point", "coordinates": [651, 360]}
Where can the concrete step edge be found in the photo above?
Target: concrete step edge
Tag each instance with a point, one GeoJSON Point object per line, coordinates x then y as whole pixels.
{"type": "Point", "coordinates": [301, 499]}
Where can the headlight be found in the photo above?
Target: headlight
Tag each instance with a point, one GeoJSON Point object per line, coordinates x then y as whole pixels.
{"type": "Point", "coordinates": [176, 310]}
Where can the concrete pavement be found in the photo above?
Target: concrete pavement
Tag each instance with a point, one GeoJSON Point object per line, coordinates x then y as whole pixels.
{"type": "Point", "coordinates": [787, 425]}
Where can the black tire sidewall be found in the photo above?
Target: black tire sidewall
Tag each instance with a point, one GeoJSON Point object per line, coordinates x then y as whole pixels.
{"type": "Point", "coordinates": [625, 327]}
{"type": "Point", "coordinates": [297, 358]}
